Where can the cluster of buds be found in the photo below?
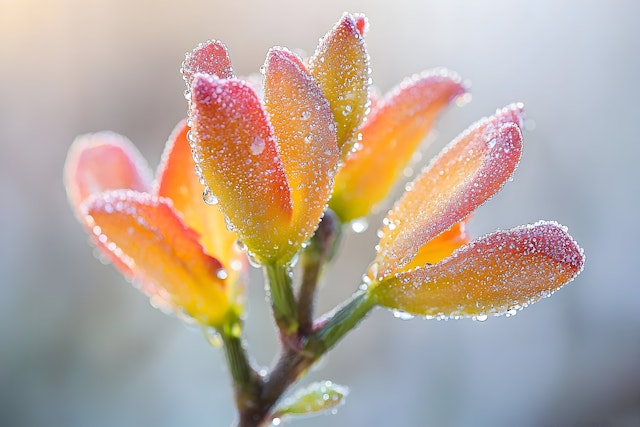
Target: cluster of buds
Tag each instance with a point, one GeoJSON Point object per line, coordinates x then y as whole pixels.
{"type": "Point", "coordinates": [288, 162]}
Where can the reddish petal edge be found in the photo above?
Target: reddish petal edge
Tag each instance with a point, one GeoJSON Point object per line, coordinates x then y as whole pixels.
{"type": "Point", "coordinates": [103, 161]}
{"type": "Point", "coordinates": [500, 273]}
{"type": "Point", "coordinates": [210, 57]}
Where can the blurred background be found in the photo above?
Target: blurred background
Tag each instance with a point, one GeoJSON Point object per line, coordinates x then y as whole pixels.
{"type": "Point", "coordinates": [79, 346]}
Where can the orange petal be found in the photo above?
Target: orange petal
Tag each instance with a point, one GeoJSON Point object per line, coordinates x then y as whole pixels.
{"type": "Point", "coordinates": [497, 274]}
{"type": "Point", "coordinates": [304, 128]}
{"type": "Point", "coordinates": [178, 181]}
{"type": "Point", "coordinates": [465, 174]}
{"type": "Point", "coordinates": [390, 136]}
{"type": "Point", "coordinates": [236, 151]}
{"type": "Point", "coordinates": [162, 254]}
{"type": "Point", "coordinates": [340, 65]}
{"type": "Point", "coordinates": [103, 161]}
{"type": "Point", "coordinates": [211, 58]}
{"type": "Point", "coordinates": [441, 246]}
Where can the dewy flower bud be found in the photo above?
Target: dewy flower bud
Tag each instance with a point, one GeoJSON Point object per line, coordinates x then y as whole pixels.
{"type": "Point", "coordinates": [157, 235]}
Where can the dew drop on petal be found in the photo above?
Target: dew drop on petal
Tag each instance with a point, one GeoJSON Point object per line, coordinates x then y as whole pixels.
{"type": "Point", "coordinates": [209, 197]}
{"type": "Point", "coordinates": [257, 146]}
{"type": "Point", "coordinates": [480, 317]}
{"type": "Point", "coordinates": [222, 274]}
{"type": "Point", "coordinates": [402, 315]}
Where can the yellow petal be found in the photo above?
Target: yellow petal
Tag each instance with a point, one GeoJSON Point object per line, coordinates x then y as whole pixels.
{"type": "Point", "coordinates": [178, 181]}
{"type": "Point", "coordinates": [236, 152]}
{"type": "Point", "coordinates": [162, 254]}
{"type": "Point", "coordinates": [441, 246]}
{"type": "Point", "coordinates": [390, 136]}
{"type": "Point", "coordinates": [497, 274]}
{"type": "Point", "coordinates": [465, 174]}
{"type": "Point", "coordinates": [304, 129]}
{"type": "Point", "coordinates": [340, 65]}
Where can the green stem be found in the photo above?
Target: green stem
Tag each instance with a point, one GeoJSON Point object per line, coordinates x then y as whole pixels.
{"type": "Point", "coordinates": [282, 300]}
{"type": "Point", "coordinates": [293, 363]}
{"type": "Point", "coordinates": [313, 259]}
{"type": "Point", "coordinates": [339, 322]}
{"type": "Point", "coordinates": [247, 384]}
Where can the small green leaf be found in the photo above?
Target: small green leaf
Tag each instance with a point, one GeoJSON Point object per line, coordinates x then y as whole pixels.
{"type": "Point", "coordinates": [315, 398]}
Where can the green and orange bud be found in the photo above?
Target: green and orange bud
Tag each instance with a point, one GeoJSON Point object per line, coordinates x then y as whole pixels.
{"type": "Point", "coordinates": [390, 136]}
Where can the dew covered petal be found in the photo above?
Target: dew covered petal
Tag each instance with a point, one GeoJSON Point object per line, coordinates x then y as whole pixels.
{"type": "Point", "coordinates": [340, 65]}
{"type": "Point", "coordinates": [497, 274]}
{"type": "Point", "coordinates": [211, 58]}
{"type": "Point", "coordinates": [162, 254]}
{"type": "Point", "coordinates": [390, 136]}
{"type": "Point", "coordinates": [103, 161]}
{"type": "Point", "coordinates": [178, 181]}
{"type": "Point", "coordinates": [234, 146]}
{"type": "Point", "coordinates": [302, 124]}
{"type": "Point", "coordinates": [462, 177]}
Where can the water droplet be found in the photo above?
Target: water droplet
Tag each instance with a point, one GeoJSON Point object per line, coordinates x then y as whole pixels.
{"type": "Point", "coordinates": [241, 246]}
{"type": "Point", "coordinates": [222, 274]}
{"type": "Point", "coordinates": [208, 196]}
{"type": "Point", "coordinates": [480, 317]}
{"type": "Point", "coordinates": [359, 225]}
{"type": "Point", "coordinates": [213, 337]}
{"type": "Point", "coordinates": [257, 146]}
{"type": "Point", "coordinates": [491, 143]}
{"type": "Point", "coordinates": [253, 261]}
{"type": "Point", "coordinates": [275, 421]}
{"type": "Point", "coordinates": [305, 115]}
{"type": "Point", "coordinates": [402, 315]}
{"type": "Point", "coordinates": [463, 99]}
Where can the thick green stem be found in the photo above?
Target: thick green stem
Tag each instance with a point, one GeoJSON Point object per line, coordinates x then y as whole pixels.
{"type": "Point", "coordinates": [247, 384]}
{"type": "Point", "coordinates": [282, 300]}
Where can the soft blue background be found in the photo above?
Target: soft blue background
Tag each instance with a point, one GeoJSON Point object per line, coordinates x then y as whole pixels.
{"type": "Point", "coordinates": [80, 347]}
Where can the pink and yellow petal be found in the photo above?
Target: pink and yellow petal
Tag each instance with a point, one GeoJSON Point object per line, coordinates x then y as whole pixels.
{"type": "Point", "coordinates": [161, 253]}
{"type": "Point", "coordinates": [340, 66]}
{"type": "Point", "coordinates": [236, 151]}
{"type": "Point", "coordinates": [178, 181]}
{"type": "Point", "coordinates": [101, 162]}
{"type": "Point", "coordinates": [497, 274]}
{"type": "Point", "coordinates": [304, 128]}
{"type": "Point", "coordinates": [390, 136]}
{"type": "Point", "coordinates": [465, 174]}
{"type": "Point", "coordinates": [210, 58]}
